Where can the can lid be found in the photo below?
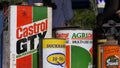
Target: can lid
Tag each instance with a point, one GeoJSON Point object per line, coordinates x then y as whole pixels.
{"type": "Point", "coordinates": [102, 40]}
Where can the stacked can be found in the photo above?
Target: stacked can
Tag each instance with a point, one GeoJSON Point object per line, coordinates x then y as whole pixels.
{"type": "Point", "coordinates": [108, 54]}
{"type": "Point", "coordinates": [53, 53]}
{"type": "Point", "coordinates": [78, 47]}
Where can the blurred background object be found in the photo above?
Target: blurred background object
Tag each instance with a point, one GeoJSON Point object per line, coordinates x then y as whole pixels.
{"type": "Point", "coordinates": [85, 12]}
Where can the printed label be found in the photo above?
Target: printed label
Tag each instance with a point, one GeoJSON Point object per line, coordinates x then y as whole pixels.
{"type": "Point", "coordinates": [79, 42]}
{"type": "Point", "coordinates": [54, 53]}
{"type": "Point", "coordinates": [26, 27]}
{"type": "Point", "coordinates": [112, 62]}
{"type": "Point", "coordinates": [111, 56]}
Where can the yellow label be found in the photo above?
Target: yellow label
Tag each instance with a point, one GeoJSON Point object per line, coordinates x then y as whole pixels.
{"type": "Point", "coordinates": [54, 43]}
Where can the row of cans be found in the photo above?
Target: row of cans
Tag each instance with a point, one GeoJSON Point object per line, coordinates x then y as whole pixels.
{"type": "Point", "coordinates": [22, 45]}
{"type": "Point", "coordinates": [79, 46]}
{"type": "Point", "coordinates": [28, 42]}
{"type": "Point", "coordinates": [72, 48]}
{"type": "Point", "coordinates": [76, 52]}
{"type": "Point", "coordinates": [79, 50]}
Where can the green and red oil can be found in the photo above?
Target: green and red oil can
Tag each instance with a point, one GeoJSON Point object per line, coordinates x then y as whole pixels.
{"type": "Point", "coordinates": [78, 47]}
{"type": "Point", "coordinates": [26, 26]}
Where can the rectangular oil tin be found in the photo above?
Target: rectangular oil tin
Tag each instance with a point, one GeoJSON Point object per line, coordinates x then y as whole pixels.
{"type": "Point", "coordinates": [78, 47]}
{"type": "Point", "coordinates": [109, 56]}
{"type": "Point", "coordinates": [26, 25]}
{"type": "Point", "coordinates": [54, 53]}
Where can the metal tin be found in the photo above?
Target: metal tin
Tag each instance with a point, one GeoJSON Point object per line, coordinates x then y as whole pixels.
{"type": "Point", "coordinates": [53, 53]}
{"type": "Point", "coordinates": [25, 27]}
{"type": "Point", "coordinates": [110, 56]}
{"type": "Point", "coordinates": [78, 47]}
{"type": "Point", "coordinates": [108, 53]}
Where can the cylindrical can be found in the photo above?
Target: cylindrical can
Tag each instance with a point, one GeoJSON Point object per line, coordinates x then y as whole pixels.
{"type": "Point", "coordinates": [78, 47]}
{"type": "Point", "coordinates": [53, 53]}
{"type": "Point", "coordinates": [110, 56]}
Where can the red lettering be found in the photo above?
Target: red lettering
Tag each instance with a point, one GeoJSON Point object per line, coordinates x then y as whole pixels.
{"type": "Point", "coordinates": [65, 36]}
{"type": "Point", "coordinates": [43, 26]}
{"type": "Point", "coordinates": [18, 31]}
{"type": "Point", "coordinates": [36, 28]}
{"type": "Point", "coordinates": [46, 24]}
{"type": "Point", "coordinates": [25, 33]}
{"type": "Point", "coordinates": [30, 30]}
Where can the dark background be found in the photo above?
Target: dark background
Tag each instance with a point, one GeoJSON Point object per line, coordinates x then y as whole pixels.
{"type": "Point", "coordinates": [80, 4]}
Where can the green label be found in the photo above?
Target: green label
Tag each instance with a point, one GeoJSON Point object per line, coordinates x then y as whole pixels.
{"type": "Point", "coordinates": [80, 35]}
{"type": "Point", "coordinates": [80, 57]}
{"type": "Point", "coordinates": [39, 13]}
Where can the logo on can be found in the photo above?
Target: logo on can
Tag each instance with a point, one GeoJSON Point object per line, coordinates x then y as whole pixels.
{"type": "Point", "coordinates": [56, 59]}
{"type": "Point", "coordinates": [112, 62]}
